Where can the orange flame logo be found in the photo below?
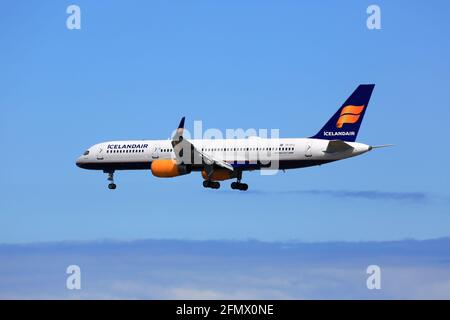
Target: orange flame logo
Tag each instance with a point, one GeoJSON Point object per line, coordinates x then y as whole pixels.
{"type": "Point", "coordinates": [349, 114]}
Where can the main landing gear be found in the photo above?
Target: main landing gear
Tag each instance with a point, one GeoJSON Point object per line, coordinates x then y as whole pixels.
{"type": "Point", "coordinates": [111, 184]}
{"type": "Point", "coordinates": [211, 184]}
{"type": "Point", "coordinates": [238, 185]}
{"type": "Point", "coordinates": [234, 185]}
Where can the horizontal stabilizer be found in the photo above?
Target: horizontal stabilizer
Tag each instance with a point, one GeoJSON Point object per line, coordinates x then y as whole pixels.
{"type": "Point", "coordinates": [337, 146]}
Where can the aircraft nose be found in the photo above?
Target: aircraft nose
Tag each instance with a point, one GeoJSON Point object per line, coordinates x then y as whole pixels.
{"type": "Point", "coordinates": [79, 162]}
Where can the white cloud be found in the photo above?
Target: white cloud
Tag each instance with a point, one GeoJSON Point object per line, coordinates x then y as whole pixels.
{"type": "Point", "coordinates": [227, 270]}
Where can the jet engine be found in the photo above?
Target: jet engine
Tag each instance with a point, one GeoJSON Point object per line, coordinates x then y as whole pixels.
{"type": "Point", "coordinates": [168, 168]}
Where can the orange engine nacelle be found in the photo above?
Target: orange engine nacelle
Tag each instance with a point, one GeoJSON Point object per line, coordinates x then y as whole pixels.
{"type": "Point", "coordinates": [168, 168]}
{"type": "Point", "coordinates": [219, 175]}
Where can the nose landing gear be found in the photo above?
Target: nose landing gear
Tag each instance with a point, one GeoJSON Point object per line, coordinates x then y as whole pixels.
{"type": "Point", "coordinates": [111, 184]}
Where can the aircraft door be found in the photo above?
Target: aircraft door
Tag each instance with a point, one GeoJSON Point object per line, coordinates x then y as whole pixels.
{"type": "Point", "coordinates": [156, 152]}
{"type": "Point", "coordinates": [308, 150]}
{"type": "Point", "coordinates": [100, 153]}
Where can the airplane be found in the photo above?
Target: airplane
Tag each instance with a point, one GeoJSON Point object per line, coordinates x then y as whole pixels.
{"type": "Point", "coordinates": [224, 159]}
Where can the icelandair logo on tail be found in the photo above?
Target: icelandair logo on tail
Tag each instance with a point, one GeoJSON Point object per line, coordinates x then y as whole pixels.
{"type": "Point", "coordinates": [349, 114]}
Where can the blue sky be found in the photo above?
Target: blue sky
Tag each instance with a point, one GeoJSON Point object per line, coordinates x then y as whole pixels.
{"type": "Point", "coordinates": [135, 68]}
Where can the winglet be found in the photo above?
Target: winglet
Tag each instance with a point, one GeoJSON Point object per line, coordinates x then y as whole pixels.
{"type": "Point", "coordinates": [178, 136]}
{"type": "Point", "coordinates": [181, 125]}
{"type": "Point", "coordinates": [180, 128]}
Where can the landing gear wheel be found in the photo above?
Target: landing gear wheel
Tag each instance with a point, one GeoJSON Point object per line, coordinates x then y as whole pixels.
{"type": "Point", "coordinates": [211, 184]}
{"type": "Point", "coordinates": [239, 186]}
{"type": "Point", "coordinates": [215, 185]}
{"type": "Point", "coordinates": [111, 185]}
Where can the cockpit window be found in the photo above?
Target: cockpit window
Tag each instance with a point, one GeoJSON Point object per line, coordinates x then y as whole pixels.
{"type": "Point", "coordinates": [86, 153]}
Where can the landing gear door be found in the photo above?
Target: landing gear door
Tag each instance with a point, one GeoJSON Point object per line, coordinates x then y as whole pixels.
{"type": "Point", "coordinates": [100, 153]}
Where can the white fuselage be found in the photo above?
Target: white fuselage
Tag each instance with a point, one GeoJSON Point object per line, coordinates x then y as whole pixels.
{"type": "Point", "coordinates": [244, 154]}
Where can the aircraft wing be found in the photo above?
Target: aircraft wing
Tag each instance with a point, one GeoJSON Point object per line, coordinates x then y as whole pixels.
{"type": "Point", "coordinates": [195, 156]}
{"type": "Point", "coordinates": [209, 160]}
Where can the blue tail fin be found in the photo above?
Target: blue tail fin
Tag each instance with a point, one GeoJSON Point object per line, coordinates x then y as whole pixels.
{"type": "Point", "coordinates": [345, 123]}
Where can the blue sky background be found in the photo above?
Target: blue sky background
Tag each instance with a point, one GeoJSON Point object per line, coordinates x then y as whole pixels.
{"type": "Point", "coordinates": [135, 68]}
